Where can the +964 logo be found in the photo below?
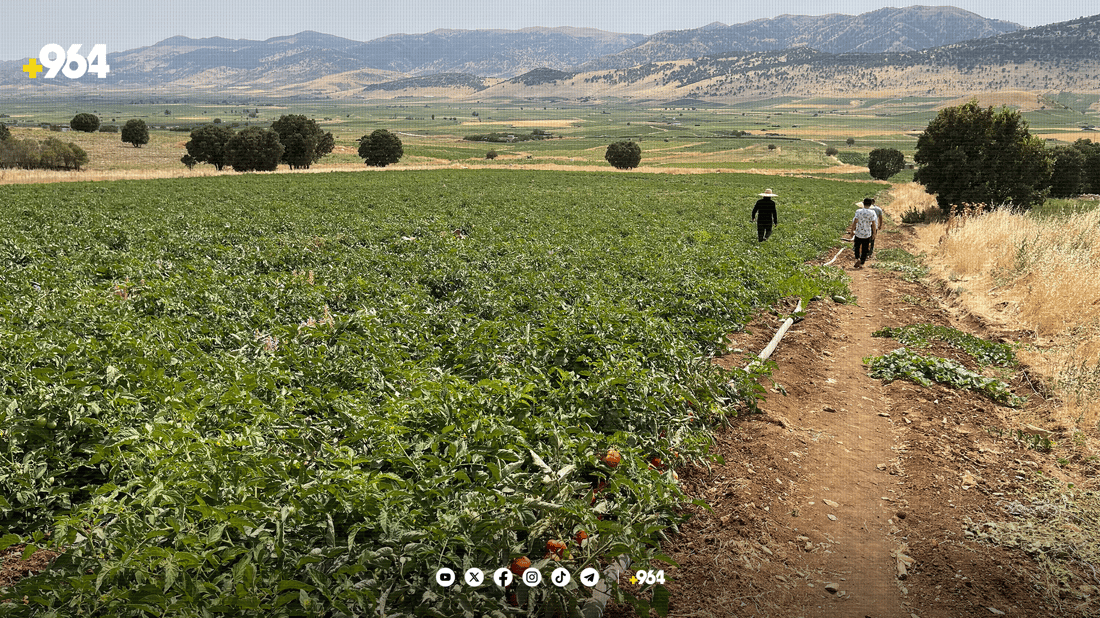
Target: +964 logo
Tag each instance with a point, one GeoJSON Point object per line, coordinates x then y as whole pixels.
{"type": "Point", "coordinates": [69, 62]}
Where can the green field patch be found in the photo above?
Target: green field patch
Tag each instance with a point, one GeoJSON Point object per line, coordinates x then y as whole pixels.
{"type": "Point", "coordinates": [300, 394]}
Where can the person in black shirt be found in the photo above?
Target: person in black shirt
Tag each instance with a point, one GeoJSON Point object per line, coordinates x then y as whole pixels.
{"type": "Point", "coordinates": [765, 207]}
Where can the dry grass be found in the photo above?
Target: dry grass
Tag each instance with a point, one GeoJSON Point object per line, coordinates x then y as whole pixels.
{"type": "Point", "coordinates": [1031, 273]}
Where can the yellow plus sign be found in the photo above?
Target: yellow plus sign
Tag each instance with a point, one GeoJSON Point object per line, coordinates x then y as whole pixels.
{"type": "Point", "coordinates": [32, 68]}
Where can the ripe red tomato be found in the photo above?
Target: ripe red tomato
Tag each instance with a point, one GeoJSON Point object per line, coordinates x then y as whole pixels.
{"type": "Point", "coordinates": [555, 546]}
{"type": "Point", "coordinates": [519, 565]}
{"type": "Point", "coordinates": [612, 458]}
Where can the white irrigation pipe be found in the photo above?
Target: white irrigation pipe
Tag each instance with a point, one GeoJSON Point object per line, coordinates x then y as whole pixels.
{"type": "Point", "coordinates": [601, 595]}
{"type": "Point", "coordinates": [767, 351]}
{"type": "Point", "coordinates": [835, 256]}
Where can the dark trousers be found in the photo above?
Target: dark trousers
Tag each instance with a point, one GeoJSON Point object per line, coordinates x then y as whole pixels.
{"type": "Point", "coordinates": [763, 230]}
{"type": "Point", "coordinates": [862, 248]}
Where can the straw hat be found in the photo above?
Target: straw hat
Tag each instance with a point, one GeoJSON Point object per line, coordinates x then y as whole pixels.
{"type": "Point", "coordinates": [767, 193]}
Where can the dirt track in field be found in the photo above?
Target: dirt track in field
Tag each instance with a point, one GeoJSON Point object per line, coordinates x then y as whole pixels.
{"type": "Point", "coordinates": [848, 497]}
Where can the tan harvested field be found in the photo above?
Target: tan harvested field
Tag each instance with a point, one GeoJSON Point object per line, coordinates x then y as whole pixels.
{"type": "Point", "coordinates": [553, 123]}
{"type": "Point", "coordinates": [1037, 276]}
{"type": "Point", "coordinates": [1025, 101]}
{"type": "Point", "coordinates": [1069, 135]}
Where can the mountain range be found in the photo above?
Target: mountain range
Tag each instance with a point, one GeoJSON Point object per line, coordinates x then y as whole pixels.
{"type": "Point", "coordinates": [914, 50]}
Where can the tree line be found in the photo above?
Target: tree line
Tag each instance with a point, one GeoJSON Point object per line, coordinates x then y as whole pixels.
{"type": "Point", "coordinates": [292, 139]}
{"type": "Point", "coordinates": [49, 154]}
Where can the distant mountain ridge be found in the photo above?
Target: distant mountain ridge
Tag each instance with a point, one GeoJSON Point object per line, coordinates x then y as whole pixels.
{"type": "Point", "coordinates": [1054, 58]}
{"type": "Point", "coordinates": [884, 30]}
{"type": "Point", "coordinates": [705, 64]}
{"type": "Point", "coordinates": [286, 61]}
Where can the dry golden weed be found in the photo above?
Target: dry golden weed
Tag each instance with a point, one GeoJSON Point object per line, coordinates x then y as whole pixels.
{"type": "Point", "coordinates": [1031, 273]}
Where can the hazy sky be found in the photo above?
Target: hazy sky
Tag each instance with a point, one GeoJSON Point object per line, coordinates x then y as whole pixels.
{"type": "Point", "coordinates": [126, 24]}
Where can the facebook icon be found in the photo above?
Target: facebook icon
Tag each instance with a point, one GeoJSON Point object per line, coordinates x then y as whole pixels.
{"type": "Point", "coordinates": [502, 577]}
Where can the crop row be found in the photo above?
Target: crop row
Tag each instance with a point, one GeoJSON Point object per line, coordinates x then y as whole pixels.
{"type": "Point", "coordinates": [302, 394]}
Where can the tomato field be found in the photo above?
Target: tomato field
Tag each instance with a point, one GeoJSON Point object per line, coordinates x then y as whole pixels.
{"type": "Point", "coordinates": [281, 395]}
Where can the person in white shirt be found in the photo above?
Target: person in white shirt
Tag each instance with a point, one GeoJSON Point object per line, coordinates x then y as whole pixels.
{"type": "Point", "coordinates": [865, 227]}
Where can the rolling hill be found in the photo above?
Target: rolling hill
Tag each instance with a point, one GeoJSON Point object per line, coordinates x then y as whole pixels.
{"type": "Point", "coordinates": [885, 30]}
{"type": "Point", "coordinates": [914, 51]}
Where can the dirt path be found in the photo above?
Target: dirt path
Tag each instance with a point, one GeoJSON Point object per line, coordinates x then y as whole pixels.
{"type": "Point", "coordinates": [843, 479]}
{"type": "Point", "coordinates": [838, 494]}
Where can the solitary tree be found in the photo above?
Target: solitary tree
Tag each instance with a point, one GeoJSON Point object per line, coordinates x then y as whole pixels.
{"type": "Point", "coordinates": [254, 149]}
{"type": "Point", "coordinates": [207, 145]}
{"type": "Point", "coordinates": [304, 143]}
{"type": "Point", "coordinates": [970, 155]}
{"type": "Point", "coordinates": [380, 148]}
{"type": "Point", "coordinates": [851, 141]}
{"type": "Point", "coordinates": [85, 122]}
{"type": "Point", "coordinates": [624, 155]}
{"type": "Point", "coordinates": [885, 162]}
{"type": "Point", "coordinates": [135, 132]}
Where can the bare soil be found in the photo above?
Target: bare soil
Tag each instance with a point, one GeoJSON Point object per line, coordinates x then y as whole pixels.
{"type": "Point", "coordinates": [848, 497]}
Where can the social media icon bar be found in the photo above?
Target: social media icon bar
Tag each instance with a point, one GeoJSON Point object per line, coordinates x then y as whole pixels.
{"type": "Point", "coordinates": [474, 577]}
{"type": "Point", "coordinates": [445, 577]}
{"type": "Point", "coordinates": [502, 578]}
{"type": "Point", "coordinates": [561, 577]}
{"type": "Point", "coordinates": [532, 577]}
{"type": "Point", "coordinates": [590, 577]}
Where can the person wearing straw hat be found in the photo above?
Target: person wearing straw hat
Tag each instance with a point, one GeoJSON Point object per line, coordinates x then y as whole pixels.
{"type": "Point", "coordinates": [765, 207]}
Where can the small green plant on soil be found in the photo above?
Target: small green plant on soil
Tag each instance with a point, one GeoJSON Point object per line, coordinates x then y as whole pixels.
{"type": "Point", "coordinates": [900, 260]}
{"type": "Point", "coordinates": [981, 350]}
{"type": "Point", "coordinates": [920, 302]}
{"type": "Point", "coordinates": [924, 370]}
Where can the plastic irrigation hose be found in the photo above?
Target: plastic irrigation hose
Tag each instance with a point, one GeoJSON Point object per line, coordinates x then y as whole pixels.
{"type": "Point", "coordinates": [767, 351]}
{"type": "Point", "coordinates": [835, 257]}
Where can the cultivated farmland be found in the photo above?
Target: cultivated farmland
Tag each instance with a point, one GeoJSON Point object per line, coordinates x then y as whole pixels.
{"type": "Point", "coordinates": [283, 395]}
